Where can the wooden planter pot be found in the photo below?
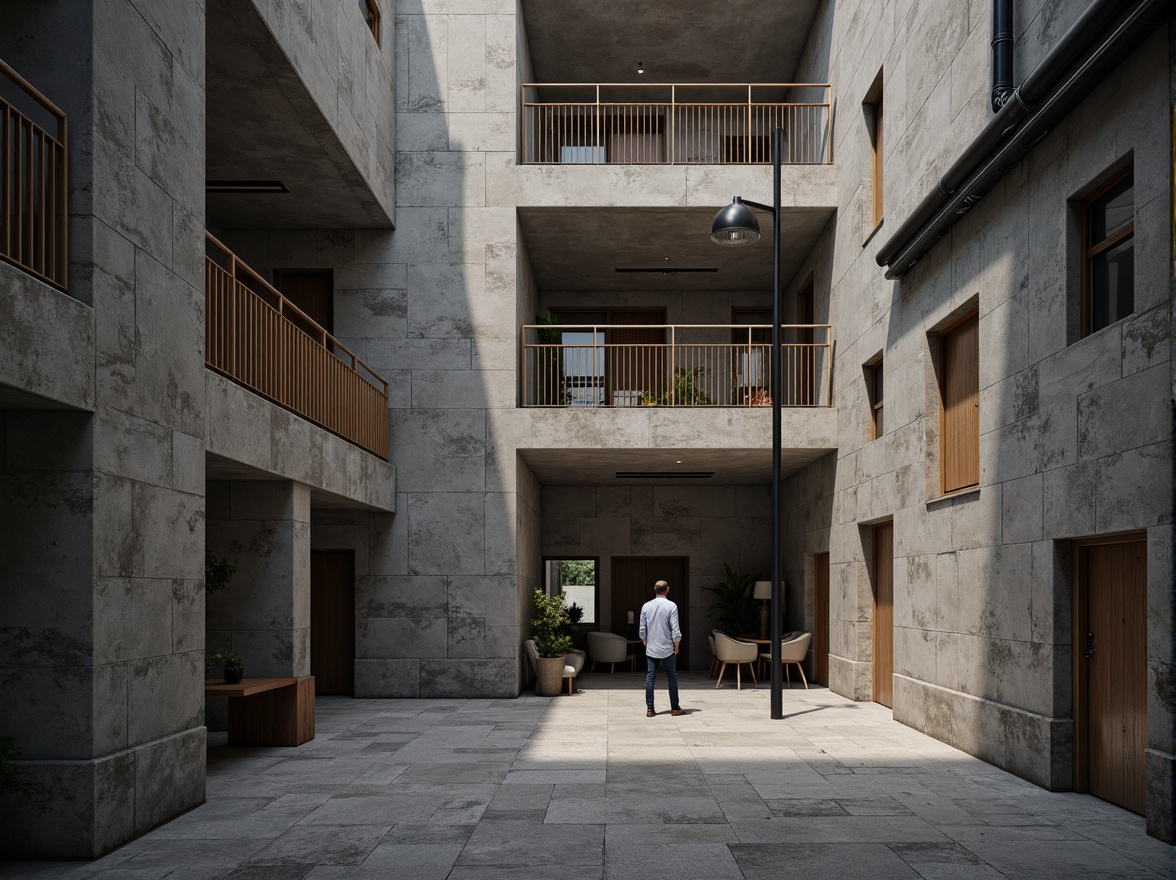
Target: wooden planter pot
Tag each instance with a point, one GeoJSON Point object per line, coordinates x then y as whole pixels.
{"type": "Point", "coordinates": [549, 676]}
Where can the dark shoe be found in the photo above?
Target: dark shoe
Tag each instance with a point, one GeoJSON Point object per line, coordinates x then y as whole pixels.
{"type": "Point", "coordinates": [649, 713]}
{"type": "Point", "coordinates": [677, 712]}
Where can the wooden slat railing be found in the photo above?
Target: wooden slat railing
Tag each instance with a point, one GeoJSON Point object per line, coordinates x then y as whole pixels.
{"type": "Point", "coordinates": [694, 365]}
{"type": "Point", "coordinates": [674, 124]}
{"type": "Point", "coordinates": [34, 195]}
{"type": "Point", "coordinates": [261, 340]}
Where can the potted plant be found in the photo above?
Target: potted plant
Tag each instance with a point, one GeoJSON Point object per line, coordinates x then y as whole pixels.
{"type": "Point", "coordinates": [217, 572]}
{"type": "Point", "coordinates": [734, 602]}
{"type": "Point", "coordinates": [234, 665]}
{"type": "Point", "coordinates": [549, 629]}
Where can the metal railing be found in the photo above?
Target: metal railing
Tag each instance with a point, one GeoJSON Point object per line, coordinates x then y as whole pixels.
{"type": "Point", "coordinates": [726, 365]}
{"type": "Point", "coordinates": [34, 195]}
{"type": "Point", "coordinates": [261, 340]}
{"type": "Point", "coordinates": [674, 124]}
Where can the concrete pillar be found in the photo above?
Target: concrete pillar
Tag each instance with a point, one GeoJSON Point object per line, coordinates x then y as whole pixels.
{"type": "Point", "coordinates": [264, 612]}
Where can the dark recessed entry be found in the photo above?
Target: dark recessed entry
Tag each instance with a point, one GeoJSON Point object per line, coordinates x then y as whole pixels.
{"type": "Point", "coordinates": [665, 475]}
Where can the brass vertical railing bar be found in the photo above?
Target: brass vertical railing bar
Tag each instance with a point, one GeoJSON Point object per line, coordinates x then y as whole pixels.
{"type": "Point", "coordinates": [277, 350]}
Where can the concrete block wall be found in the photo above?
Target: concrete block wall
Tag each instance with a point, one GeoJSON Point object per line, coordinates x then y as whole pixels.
{"type": "Point", "coordinates": [711, 525]}
{"type": "Point", "coordinates": [1076, 434]}
{"type": "Point", "coordinates": [122, 490]}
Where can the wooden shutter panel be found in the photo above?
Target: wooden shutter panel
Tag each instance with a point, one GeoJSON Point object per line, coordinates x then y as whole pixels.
{"type": "Point", "coordinates": [960, 394]}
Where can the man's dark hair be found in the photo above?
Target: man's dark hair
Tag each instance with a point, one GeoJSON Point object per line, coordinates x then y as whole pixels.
{"type": "Point", "coordinates": [661, 587]}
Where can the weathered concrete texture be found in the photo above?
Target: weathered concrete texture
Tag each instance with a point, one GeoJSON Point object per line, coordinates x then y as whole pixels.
{"type": "Point", "coordinates": [46, 345]}
{"type": "Point", "coordinates": [245, 429]}
{"type": "Point", "coordinates": [711, 525]}
{"type": "Point", "coordinates": [264, 612]}
{"type": "Point", "coordinates": [1075, 433]}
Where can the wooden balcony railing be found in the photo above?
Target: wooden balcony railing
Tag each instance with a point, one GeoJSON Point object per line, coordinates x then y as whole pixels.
{"type": "Point", "coordinates": [679, 365]}
{"type": "Point", "coordinates": [34, 205]}
{"type": "Point", "coordinates": [668, 124]}
{"type": "Point", "coordinates": [261, 340]}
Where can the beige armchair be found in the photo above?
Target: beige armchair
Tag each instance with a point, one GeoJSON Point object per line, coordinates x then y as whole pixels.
{"type": "Point", "coordinates": [573, 662]}
{"type": "Point", "coordinates": [793, 649]}
{"type": "Point", "coordinates": [728, 651]}
{"type": "Point", "coordinates": [605, 647]}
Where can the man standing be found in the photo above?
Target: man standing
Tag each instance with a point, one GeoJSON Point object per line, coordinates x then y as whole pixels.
{"type": "Point", "coordinates": [661, 636]}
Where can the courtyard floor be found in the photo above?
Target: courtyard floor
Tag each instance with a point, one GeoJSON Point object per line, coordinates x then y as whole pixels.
{"type": "Point", "coordinates": [587, 787]}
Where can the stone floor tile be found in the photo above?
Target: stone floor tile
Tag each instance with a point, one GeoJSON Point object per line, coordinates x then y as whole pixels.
{"type": "Point", "coordinates": [1060, 860]}
{"type": "Point", "coordinates": [651, 860]}
{"type": "Point", "coordinates": [270, 872]}
{"type": "Point", "coordinates": [418, 861]}
{"type": "Point", "coordinates": [527, 872]}
{"type": "Point", "coordinates": [510, 844]}
{"type": "Point", "coordinates": [846, 861]}
{"type": "Point", "coordinates": [321, 845]}
{"type": "Point", "coordinates": [409, 833]}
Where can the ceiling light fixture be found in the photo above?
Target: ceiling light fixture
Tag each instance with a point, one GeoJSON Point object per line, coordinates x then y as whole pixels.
{"type": "Point", "coordinates": [245, 186]}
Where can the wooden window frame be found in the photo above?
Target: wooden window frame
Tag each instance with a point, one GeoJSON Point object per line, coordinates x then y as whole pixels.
{"type": "Point", "coordinates": [874, 370]}
{"type": "Point", "coordinates": [969, 315]}
{"type": "Point", "coordinates": [876, 128]}
{"type": "Point", "coordinates": [371, 14]}
{"type": "Point", "coordinates": [1091, 250]}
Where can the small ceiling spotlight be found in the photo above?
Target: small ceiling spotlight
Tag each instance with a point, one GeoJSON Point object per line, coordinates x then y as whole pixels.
{"type": "Point", "coordinates": [641, 67]}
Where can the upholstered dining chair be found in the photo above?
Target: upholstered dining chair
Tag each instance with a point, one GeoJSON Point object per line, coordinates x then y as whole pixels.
{"type": "Point", "coordinates": [793, 649]}
{"type": "Point", "coordinates": [732, 651]}
{"type": "Point", "coordinates": [606, 647]}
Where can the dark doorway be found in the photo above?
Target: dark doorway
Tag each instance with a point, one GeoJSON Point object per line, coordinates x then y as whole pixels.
{"type": "Point", "coordinates": [1111, 675]}
{"type": "Point", "coordinates": [821, 617]}
{"type": "Point", "coordinates": [633, 578]}
{"type": "Point", "coordinates": [332, 621]}
{"type": "Point", "coordinates": [884, 614]}
{"type": "Point", "coordinates": [312, 291]}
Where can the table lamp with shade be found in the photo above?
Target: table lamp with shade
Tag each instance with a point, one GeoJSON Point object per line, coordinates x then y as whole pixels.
{"type": "Point", "coordinates": [763, 592]}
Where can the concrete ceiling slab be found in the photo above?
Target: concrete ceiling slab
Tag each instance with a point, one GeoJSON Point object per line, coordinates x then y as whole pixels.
{"type": "Point", "coordinates": [581, 248]}
{"type": "Point", "coordinates": [681, 41]}
{"type": "Point", "coordinates": [262, 124]}
{"type": "Point", "coordinates": [598, 467]}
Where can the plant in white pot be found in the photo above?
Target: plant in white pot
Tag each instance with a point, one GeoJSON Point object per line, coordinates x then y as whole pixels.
{"type": "Point", "coordinates": [549, 629]}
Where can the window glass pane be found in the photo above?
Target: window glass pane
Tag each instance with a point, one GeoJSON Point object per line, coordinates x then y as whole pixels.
{"type": "Point", "coordinates": [878, 384]}
{"type": "Point", "coordinates": [879, 427]}
{"type": "Point", "coordinates": [1111, 211]}
{"type": "Point", "coordinates": [577, 581]}
{"type": "Point", "coordinates": [1112, 284]}
{"type": "Point", "coordinates": [584, 367]}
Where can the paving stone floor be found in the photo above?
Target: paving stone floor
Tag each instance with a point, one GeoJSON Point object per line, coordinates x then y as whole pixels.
{"type": "Point", "coordinates": [581, 787]}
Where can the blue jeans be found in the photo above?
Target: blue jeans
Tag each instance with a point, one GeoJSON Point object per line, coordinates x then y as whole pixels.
{"type": "Point", "coordinates": [670, 665]}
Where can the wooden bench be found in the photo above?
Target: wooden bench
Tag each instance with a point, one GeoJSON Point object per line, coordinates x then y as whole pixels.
{"type": "Point", "coordinates": [268, 711]}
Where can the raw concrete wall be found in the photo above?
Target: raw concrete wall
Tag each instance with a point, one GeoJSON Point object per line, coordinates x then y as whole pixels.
{"type": "Point", "coordinates": [123, 747]}
{"type": "Point", "coordinates": [349, 77]}
{"type": "Point", "coordinates": [712, 525]}
{"type": "Point", "coordinates": [1076, 434]}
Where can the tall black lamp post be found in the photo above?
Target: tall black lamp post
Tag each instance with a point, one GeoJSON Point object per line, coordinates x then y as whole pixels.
{"type": "Point", "coordinates": [735, 226]}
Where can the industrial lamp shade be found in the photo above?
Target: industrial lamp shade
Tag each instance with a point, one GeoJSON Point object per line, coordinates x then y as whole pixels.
{"type": "Point", "coordinates": [735, 225]}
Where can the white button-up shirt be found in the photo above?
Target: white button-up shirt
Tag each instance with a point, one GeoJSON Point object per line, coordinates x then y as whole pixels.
{"type": "Point", "coordinates": [659, 627]}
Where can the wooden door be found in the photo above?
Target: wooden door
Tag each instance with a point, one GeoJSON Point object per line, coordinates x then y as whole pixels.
{"type": "Point", "coordinates": [1111, 650]}
{"type": "Point", "coordinates": [311, 291]}
{"type": "Point", "coordinates": [884, 614]}
{"type": "Point", "coordinates": [636, 356]}
{"type": "Point", "coordinates": [633, 578]}
{"type": "Point", "coordinates": [332, 621]}
{"type": "Point", "coordinates": [821, 616]}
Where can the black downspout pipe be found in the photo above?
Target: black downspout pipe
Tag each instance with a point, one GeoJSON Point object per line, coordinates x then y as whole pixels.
{"type": "Point", "coordinates": [1022, 103]}
{"type": "Point", "coordinates": [1002, 53]}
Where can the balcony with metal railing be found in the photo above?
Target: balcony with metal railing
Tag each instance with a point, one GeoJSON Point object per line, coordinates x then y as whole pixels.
{"type": "Point", "coordinates": [674, 124]}
{"type": "Point", "coordinates": [673, 365]}
{"type": "Point", "coordinates": [34, 209]}
{"type": "Point", "coordinates": [261, 340]}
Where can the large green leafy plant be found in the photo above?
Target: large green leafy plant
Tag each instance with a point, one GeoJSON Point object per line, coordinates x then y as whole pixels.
{"type": "Point", "coordinates": [734, 603]}
{"type": "Point", "coordinates": [549, 627]}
